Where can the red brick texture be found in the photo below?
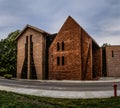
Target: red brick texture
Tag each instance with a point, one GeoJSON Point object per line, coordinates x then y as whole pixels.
{"type": "Point", "coordinates": [70, 35]}
{"type": "Point", "coordinates": [113, 61]}
{"type": "Point", "coordinates": [78, 54]}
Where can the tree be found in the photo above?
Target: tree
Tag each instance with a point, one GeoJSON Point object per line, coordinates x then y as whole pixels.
{"type": "Point", "coordinates": [8, 54]}
{"type": "Point", "coordinates": [105, 44]}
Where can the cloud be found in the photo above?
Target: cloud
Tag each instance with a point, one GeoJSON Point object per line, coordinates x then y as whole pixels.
{"type": "Point", "coordinates": [100, 18]}
{"type": "Point", "coordinates": [8, 20]}
{"type": "Point", "coordinates": [109, 32]}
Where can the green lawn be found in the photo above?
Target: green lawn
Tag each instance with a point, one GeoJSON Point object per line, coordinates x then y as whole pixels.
{"type": "Point", "coordinates": [13, 100]}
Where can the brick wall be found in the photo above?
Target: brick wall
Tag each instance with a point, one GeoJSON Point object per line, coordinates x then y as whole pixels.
{"type": "Point", "coordinates": [20, 55]}
{"type": "Point", "coordinates": [77, 53]}
{"type": "Point", "coordinates": [86, 53]}
{"type": "Point", "coordinates": [113, 61]}
{"type": "Point", "coordinates": [38, 52]}
{"type": "Point", "coordinates": [70, 35]}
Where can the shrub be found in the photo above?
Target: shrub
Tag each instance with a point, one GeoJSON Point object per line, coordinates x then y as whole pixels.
{"type": "Point", "coordinates": [8, 76]}
{"type": "Point", "coordinates": [3, 71]}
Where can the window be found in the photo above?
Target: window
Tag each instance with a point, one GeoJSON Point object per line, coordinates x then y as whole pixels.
{"type": "Point", "coordinates": [58, 46]}
{"type": "Point", "coordinates": [31, 37]}
{"type": "Point", "coordinates": [63, 60]}
{"type": "Point", "coordinates": [62, 45]}
{"type": "Point", "coordinates": [58, 61]}
{"type": "Point", "coordinates": [26, 39]}
{"type": "Point", "coordinates": [112, 53]}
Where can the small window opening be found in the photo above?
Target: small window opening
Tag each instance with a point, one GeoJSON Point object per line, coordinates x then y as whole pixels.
{"type": "Point", "coordinates": [112, 53]}
{"type": "Point", "coordinates": [58, 61]}
{"type": "Point", "coordinates": [63, 60]}
{"type": "Point", "coordinates": [26, 39]}
{"type": "Point", "coordinates": [30, 37]}
{"type": "Point", "coordinates": [63, 46]}
{"type": "Point", "coordinates": [58, 46]}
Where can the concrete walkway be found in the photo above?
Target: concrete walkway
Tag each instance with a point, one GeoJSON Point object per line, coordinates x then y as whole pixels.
{"type": "Point", "coordinates": [66, 94]}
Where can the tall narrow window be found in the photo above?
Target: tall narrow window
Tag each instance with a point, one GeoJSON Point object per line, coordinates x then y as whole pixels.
{"type": "Point", "coordinates": [26, 47]}
{"type": "Point", "coordinates": [63, 60]}
{"type": "Point", "coordinates": [26, 39]}
{"type": "Point", "coordinates": [63, 46]}
{"type": "Point", "coordinates": [31, 37]}
{"type": "Point", "coordinates": [58, 46]}
{"type": "Point", "coordinates": [58, 61]}
{"type": "Point", "coordinates": [112, 53]}
{"type": "Point", "coordinates": [31, 45]}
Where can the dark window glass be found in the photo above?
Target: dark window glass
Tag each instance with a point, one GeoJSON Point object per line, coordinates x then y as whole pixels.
{"type": "Point", "coordinates": [63, 60]}
{"type": "Point", "coordinates": [112, 53]}
{"type": "Point", "coordinates": [63, 46]}
{"type": "Point", "coordinates": [58, 61]}
{"type": "Point", "coordinates": [58, 46]}
{"type": "Point", "coordinates": [31, 37]}
{"type": "Point", "coordinates": [26, 39]}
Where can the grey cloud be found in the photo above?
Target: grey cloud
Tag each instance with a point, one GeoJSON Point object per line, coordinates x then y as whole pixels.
{"type": "Point", "coordinates": [100, 18]}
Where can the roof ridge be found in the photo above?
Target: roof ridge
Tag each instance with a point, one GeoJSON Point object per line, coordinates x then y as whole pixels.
{"type": "Point", "coordinates": [32, 27]}
{"type": "Point", "coordinates": [82, 29]}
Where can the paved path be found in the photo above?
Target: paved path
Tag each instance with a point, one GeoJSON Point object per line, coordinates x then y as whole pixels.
{"type": "Point", "coordinates": [60, 85]}
{"type": "Point", "coordinates": [64, 89]}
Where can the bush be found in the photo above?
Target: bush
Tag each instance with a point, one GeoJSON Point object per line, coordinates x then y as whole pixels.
{"type": "Point", "coordinates": [3, 71]}
{"type": "Point", "coordinates": [8, 76]}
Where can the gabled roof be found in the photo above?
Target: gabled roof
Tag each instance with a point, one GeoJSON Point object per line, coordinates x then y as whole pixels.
{"type": "Point", "coordinates": [32, 27]}
{"type": "Point", "coordinates": [69, 17]}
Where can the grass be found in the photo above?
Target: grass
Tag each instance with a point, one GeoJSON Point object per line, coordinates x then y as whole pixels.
{"type": "Point", "coordinates": [13, 100]}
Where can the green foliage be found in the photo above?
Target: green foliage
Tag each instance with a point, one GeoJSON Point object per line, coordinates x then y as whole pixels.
{"type": "Point", "coordinates": [13, 100]}
{"type": "Point", "coordinates": [8, 76]}
{"type": "Point", "coordinates": [8, 54]}
{"type": "Point", "coordinates": [105, 44]}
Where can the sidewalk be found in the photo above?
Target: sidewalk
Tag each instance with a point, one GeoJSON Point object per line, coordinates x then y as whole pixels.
{"type": "Point", "coordinates": [66, 94]}
{"type": "Point", "coordinates": [61, 94]}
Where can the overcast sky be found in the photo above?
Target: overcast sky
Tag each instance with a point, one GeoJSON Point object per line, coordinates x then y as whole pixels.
{"type": "Point", "coordinates": [100, 18]}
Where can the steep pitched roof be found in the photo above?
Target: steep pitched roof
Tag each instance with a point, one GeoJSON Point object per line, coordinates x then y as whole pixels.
{"type": "Point", "coordinates": [69, 17]}
{"type": "Point", "coordinates": [32, 27]}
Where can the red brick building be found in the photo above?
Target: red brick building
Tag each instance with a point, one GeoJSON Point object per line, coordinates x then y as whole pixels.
{"type": "Point", "coordinates": [69, 55]}
{"type": "Point", "coordinates": [73, 54]}
{"type": "Point", "coordinates": [112, 61]}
